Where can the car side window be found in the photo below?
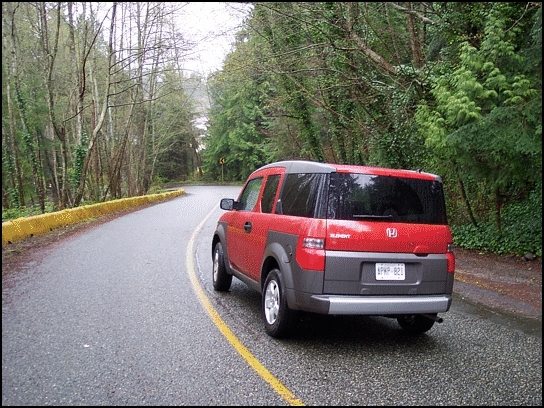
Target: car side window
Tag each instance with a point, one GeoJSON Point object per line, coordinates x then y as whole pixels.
{"type": "Point", "coordinates": [267, 201]}
{"type": "Point", "coordinates": [302, 195]}
{"type": "Point", "coordinates": [249, 196]}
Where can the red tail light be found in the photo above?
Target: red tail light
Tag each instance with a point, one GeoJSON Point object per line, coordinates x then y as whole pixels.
{"type": "Point", "coordinates": [310, 253]}
{"type": "Point", "coordinates": [450, 256]}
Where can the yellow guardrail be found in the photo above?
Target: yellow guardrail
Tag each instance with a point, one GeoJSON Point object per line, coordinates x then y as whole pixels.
{"type": "Point", "coordinates": [21, 228]}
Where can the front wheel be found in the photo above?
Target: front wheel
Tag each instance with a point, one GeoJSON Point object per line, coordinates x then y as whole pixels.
{"type": "Point", "coordinates": [279, 320]}
{"type": "Point", "coordinates": [415, 324]}
{"type": "Point", "coordinates": [221, 279]}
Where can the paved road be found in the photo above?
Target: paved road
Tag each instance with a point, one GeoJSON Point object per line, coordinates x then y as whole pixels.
{"type": "Point", "coordinates": [125, 314]}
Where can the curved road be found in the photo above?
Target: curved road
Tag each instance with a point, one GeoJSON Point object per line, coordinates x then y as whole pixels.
{"type": "Point", "coordinates": [125, 314]}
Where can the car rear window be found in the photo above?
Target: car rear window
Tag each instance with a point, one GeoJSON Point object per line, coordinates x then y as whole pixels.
{"type": "Point", "coordinates": [385, 198]}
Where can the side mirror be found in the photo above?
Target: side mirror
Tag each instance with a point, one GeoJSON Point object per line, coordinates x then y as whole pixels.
{"type": "Point", "coordinates": [227, 204]}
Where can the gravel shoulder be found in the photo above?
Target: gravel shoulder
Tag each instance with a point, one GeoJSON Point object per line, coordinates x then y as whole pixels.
{"type": "Point", "coordinates": [508, 283]}
{"type": "Point", "coordinates": [505, 283]}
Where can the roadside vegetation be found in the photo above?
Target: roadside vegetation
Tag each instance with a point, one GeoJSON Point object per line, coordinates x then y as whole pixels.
{"type": "Point", "coordinates": [97, 107]}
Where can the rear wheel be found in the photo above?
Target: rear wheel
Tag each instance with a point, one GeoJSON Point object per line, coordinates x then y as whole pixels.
{"type": "Point", "coordinates": [221, 279]}
{"type": "Point", "coordinates": [415, 324]}
{"type": "Point", "coordinates": [279, 320]}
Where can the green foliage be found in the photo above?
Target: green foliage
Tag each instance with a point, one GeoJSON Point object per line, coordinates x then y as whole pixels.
{"type": "Point", "coordinates": [401, 145]}
{"type": "Point", "coordinates": [8, 169]}
{"type": "Point", "coordinates": [484, 120]}
{"type": "Point", "coordinates": [158, 185]}
{"type": "Point", "coordinates": [35, 209]}
{"type": "Point", "coordinates": [521, 231]}
{"type": "Point", "coordinates": [80, 152]}
{"type": "Point", "coordinates": [13, 198]}
{"type": "Point", "coordinates": [237, 126]}
{"type": "Point", "coordinates": [173, 142]}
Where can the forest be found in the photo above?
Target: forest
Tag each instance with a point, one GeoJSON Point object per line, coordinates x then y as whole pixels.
{"type": "Point", "coordinates": [96, 104]}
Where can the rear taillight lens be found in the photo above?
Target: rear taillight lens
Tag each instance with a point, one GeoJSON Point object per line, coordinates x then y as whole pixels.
{"type": "Point", "coordinates": [310, 253]}
{"type": "Point", "coordinates": [450, 256]}
{"type": "Point", "coordinates": [313, 243]}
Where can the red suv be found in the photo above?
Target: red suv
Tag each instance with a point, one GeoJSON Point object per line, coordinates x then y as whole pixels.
{"type": "Point", "coordinates": [338, 239]}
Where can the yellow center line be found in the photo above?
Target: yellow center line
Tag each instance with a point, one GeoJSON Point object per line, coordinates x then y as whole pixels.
{"type": "Point", "coordinates": [266, 375]}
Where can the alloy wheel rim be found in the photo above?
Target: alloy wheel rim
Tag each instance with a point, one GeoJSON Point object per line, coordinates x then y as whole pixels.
{"type": "Point", "coordinates": [272, 302]}
{"type": "Point", "coordinates": [215, 265]}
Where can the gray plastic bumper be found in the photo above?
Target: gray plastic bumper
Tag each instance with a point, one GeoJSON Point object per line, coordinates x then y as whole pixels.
{"type": "Point", "coordinates": [383, 305]}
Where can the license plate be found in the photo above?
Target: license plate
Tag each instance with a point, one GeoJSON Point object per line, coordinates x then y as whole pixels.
{"type": "Point", "coordinates": [390, 271]}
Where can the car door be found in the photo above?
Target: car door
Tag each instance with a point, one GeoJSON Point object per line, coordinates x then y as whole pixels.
{"type": "Point", "coordinates": [261, 220]}
{"type": "Point", "coordinates": [251, 227]}
{"type": "Point", "coordinates": [240, 225]}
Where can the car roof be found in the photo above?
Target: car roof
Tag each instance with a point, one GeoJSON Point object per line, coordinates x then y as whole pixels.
{"type": "Point", "coordinates": [307, 166]}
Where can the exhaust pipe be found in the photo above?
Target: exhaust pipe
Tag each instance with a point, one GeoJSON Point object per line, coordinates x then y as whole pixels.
{"type": "Point", "coordinates": [433, 317]}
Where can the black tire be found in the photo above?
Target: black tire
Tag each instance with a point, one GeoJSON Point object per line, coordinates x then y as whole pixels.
{"type": "Point", "coordinates": [221, 279]}
{"type": "Point", "coordinates": [279, 320]}
{"type": "Point", "coordinates": [415, 324]}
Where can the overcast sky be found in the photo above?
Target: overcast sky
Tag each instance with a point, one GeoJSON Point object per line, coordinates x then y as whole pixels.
{"type": "Point", "coordinates": [213, 25]}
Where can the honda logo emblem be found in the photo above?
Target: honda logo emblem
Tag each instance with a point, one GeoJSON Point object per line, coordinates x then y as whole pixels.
{"type": "Point", "coordinates": [391, 232]}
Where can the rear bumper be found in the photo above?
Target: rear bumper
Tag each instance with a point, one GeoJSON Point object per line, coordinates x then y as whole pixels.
{"type": "Point", "coordinates": [379, 305]}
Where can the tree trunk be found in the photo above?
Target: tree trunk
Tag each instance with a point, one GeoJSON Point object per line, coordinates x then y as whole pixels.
{"type": "Point", "coordinates": [59, 129]}
{"type": "Point", "coordinates": [415, 45]}
{"type": "Point", "coordinates": [466, 201]}
{"type": "Point", "coordinates": [103, 112]}
{"type": "Point", "coordinates": [27, 136]}
{"type": "Point", "coordinates": [12, 150]}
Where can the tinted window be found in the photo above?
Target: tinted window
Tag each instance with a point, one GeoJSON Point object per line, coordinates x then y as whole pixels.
{"type": "Point", "coordinates": [361, 196]}
{"type": "Point", "coordinates": [267, 202]}
{"type": "Point", "coordinates": [302, 195]}
{"type": "Point", "coordinates": [249, 196]}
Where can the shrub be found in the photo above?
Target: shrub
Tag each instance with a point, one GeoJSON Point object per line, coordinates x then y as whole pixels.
{"type": "Point", "coordinates": [14, 213]}
{"type": "Point", "coordinates": [521, 230]}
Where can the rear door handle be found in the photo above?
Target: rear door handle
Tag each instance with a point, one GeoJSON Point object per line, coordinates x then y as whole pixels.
{"type": "Point", "coordinates": [248, 226]}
